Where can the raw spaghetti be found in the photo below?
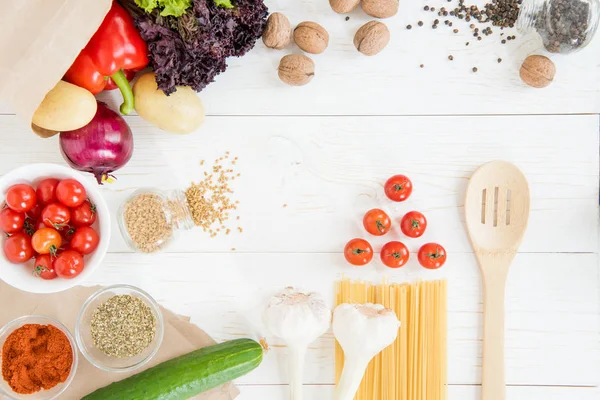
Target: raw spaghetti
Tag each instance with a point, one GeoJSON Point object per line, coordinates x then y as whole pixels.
{"type": "Point", "coordinates": [414, 367]}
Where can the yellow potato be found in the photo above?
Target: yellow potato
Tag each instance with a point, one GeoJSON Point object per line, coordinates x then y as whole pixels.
{"type": "Point", "coordinates": [181, 112]}
{"type": "Point", "coordinates": [65, 108]}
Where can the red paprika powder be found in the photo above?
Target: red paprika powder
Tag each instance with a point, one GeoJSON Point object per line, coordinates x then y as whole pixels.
{"type": "Point", "coordinates": [36, 357]}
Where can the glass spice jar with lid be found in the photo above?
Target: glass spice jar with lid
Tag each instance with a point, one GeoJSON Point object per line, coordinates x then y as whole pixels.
{"type": "Point", "coordinates": [565, 26]}
{"type": "Point", "coordinates": [150, 219]}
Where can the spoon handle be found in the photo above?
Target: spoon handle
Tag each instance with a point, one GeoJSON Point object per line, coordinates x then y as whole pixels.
{"type": "Point", "coordinates": [494, 280]}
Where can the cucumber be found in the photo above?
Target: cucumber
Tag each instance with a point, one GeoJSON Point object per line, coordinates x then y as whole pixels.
{"type": "Point", "coordinates": [188, 375]}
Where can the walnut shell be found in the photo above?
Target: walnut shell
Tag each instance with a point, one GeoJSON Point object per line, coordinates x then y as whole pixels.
{"type": "Point", "coordinates": [278, 31]}
{"type": "Point", "coordinates": [343, 6]}
{"type": "Point", "coordinates": [380, 8]}
{"type": "Point", "coordinates": [311, 37]}
{"type": "Point", "coordinates": [296, 69]}
{"type": "Point", "coordinates": [371, 38]}
{"type": "Point", "coordinates": [537, 71]}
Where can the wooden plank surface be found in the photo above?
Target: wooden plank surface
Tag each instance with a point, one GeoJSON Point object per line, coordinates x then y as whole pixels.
{"type": "Point", "coordinates": [329, 171]}
{"type": "Point", "coordinates": [552, 320]}
{"type": "Point", "coordinates": [325, 392]}
{"type": "Point", "coordinates": [305, 183]}
{"type": "Point", "coordinates": [391, 83]}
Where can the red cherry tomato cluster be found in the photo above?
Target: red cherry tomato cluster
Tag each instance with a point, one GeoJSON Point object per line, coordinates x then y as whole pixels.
{"type": "Point", "coordinates": [395, 254]}
{"type": "Point", "coordinates": [51, 224]}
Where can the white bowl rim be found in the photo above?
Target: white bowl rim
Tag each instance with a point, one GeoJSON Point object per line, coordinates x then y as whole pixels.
{"type": "Point", "coordinates": [159, 331]}
{"type": "Point", "coordinates": [72, 342]}
{"type": "Point", "coordinates": [59, 285]}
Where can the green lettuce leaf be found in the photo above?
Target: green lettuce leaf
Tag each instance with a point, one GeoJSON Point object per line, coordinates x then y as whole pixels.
{"type": "Point", "coordinates": [147, 5]}
{"type": "Point", "coordinates": [176, 8]}
{"type": "Point", "coordinates": [223, 3]}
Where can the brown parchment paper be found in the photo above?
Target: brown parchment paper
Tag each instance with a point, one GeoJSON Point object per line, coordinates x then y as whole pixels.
{"type": "Point", "coordinates": [39, 42]}
{"type": "Point", "coordinates": [180, 336]}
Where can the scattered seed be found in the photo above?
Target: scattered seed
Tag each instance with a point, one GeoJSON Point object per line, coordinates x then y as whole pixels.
{"type": "Point", "coordinates": [347, 18]}
{"type": "Point", "coordinates": [426, 8]}
{"type": "Point", "coordinates": [422, 65]}
{"type": "Point", "coordinates": [450, 57]}
{"type": "Point", "coordinates": [408, 26]}
{"type": "Point", "coordinates": [420, 23]}
{"type": "Point", "coordinates": [474, 69]}
{"type": "Point", "coordinates": [455, 31]}
{"type": "Point", "coordinates": [499, 60]}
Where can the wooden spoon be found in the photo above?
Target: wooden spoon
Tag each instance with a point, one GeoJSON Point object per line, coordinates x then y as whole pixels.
{"type": "Point", "coordinates": [497, 211]}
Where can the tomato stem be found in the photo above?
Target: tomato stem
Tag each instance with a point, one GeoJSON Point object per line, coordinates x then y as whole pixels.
{"type": "Point", "coordinates": [414, 223]}
{"type": "Point", "coordinates": [398, 187]}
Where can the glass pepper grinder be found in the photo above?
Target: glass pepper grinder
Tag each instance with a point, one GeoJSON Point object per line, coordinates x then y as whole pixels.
{"type": "Point", "coordinates": [565, 26]}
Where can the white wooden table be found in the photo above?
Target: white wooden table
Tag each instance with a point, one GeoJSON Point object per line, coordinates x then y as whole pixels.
{"type": "Point", "coordinates": [313, 160]}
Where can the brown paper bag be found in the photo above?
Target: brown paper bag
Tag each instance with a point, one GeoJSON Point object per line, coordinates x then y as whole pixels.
{"type": "Point", "coordinates": [180, 336]}
{"type": "Point", "coordinates": [39, 42]}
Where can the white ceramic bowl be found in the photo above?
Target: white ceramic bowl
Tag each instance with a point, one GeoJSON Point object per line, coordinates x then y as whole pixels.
{"type": "Point", "coordinates": [56, 391]}
{"type": "Point", "coordinates": [21, 276]}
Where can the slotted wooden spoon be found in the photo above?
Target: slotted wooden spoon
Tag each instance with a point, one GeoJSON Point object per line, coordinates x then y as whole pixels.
{"type": "Point", "coordinates": [497, 211]}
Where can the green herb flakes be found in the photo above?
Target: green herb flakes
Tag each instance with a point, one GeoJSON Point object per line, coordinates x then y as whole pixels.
{"type": "Point", "coordinates": [123, 326]}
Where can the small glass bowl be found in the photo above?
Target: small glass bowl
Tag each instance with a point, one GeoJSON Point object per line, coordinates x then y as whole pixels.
{"type": "Point", "coordinates": [83, 333]}
{"type": "Point", "coordinates": [57, 390]}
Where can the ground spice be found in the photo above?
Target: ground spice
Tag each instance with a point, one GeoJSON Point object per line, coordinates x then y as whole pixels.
{"type": "Point", "coordinates": [146, 222]}
{"type": "Point", "coordinates": [123, 326]}
{"type": "Point", "coordinates": [36, 357]}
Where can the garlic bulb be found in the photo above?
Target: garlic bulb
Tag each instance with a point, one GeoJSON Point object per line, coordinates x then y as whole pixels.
{"type": "Point", "coordinates": [298, 318]}
{"type": "Point", "coordinates": [362, 330]}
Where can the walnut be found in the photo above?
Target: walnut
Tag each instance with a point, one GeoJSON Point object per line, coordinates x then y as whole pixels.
{"type": "Point", "coordinates": [311, 37]}
{"type": "Point", "coordinates": [278, 31]}
{"type": "Point", "coordinates": [296, 69]}
{"type": "Point", "coordinates": [371, 38]}
{"type": "Point", "coordinates": [537, 71]}
{"type": "Point", "coordinates": [380, 8]}
{"type": "Point", "coordinates": [343, 6]}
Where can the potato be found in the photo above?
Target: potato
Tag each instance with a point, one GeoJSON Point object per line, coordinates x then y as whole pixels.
{"type": "Point", "coordinates": [181, 112]}
{"type": "Point", "coordinates": [65, 108]}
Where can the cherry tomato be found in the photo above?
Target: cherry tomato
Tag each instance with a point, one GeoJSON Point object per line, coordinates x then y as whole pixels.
{"type": "Point", "coordinates": [394, 254]}
{"type": "Point", "coordinates": [68, 264]}
{"type": "Point", "coordinates": [85, 240]}
{"type": "Point", "coordinates": [358, 252]}
{"type": "Point", "coordinates": [398, 188]}
{"type": "Point", "coordinates": [432, 256]}
{"type": "Point", "coordinates": [17, 248]}
{"type": "Point", "coordinates": [46, 191]}
{"type": "Point", "coordinates": [70, 193]}
{"type": "Point", "coordinates": [46, 241]}
{"type": "Point", "coordinates": [56, 216]}
{"type": "Point", "coordinates": [67, 236]}
{"type": "Point", "coordinates": [30, 226]}
{"type": "Point", "coordinates": [377, 222]}
{"type": "Point", "coordinates": [11, 221]}
{"type": "Point", "coordinates": [36, 211]}
{"type": "Point", "coordinates": [21, 198]}
{"type": "Point", "coordinates": [84, 215]}
{"type": "Point", "coordinates": [413, 224]}
{"type": "Point", "coordinates": [43, 267]}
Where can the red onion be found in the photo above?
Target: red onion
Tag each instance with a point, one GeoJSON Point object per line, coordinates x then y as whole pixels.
{"type": "Point", "coordinates": [101, 147]}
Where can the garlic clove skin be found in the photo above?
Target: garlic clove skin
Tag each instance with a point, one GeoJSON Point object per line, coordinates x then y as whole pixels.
{"type": "Point", "coordinates": [364, 328]}
{"type": "Point", "coordinates": [298, 318]}
{"type": "Point", "coordinates": [363, 331]}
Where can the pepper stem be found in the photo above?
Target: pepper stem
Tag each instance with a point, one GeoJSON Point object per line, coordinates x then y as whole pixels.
{"type": "Point", "coordinates": [122, 83]}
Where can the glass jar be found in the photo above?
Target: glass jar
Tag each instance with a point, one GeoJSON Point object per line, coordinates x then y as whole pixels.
{"type": "Point", "coordinates": [151, 219]}
{"type": "Point", "coordinates": [564, 25]}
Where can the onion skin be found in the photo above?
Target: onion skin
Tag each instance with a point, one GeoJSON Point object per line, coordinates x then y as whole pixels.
{"type": "Point", "coordinates": [101, 147]}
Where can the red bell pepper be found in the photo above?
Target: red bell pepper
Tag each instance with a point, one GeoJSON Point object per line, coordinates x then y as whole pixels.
{"type": "Point", "coordinates": [116, 49]}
